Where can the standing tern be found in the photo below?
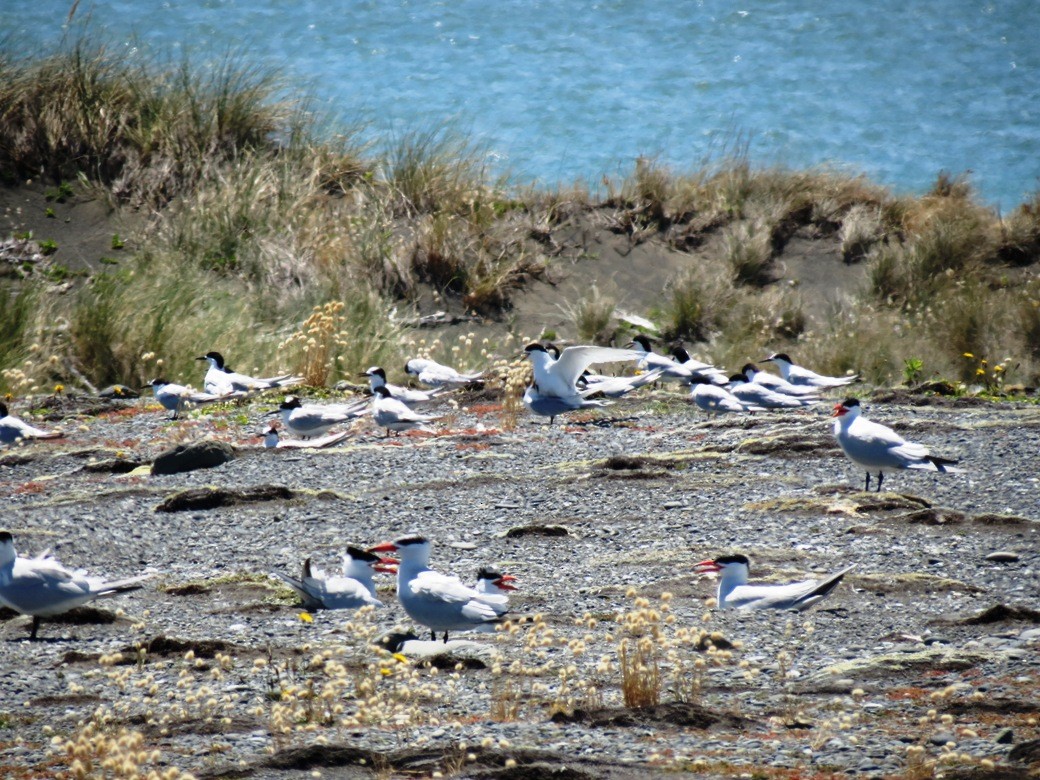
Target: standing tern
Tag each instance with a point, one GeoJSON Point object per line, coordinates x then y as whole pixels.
{"type": "Point", "coordinates": [42, 587]}
{"type": "Point", "coordinates": [797, 375]}
{"type": "Point", "coordinates": [734, 590]}
{"type": "Point", "coordinates": [552, 406]}
{"type": "Point", "coordinates": [377, 378]}
{"type": "Point", "coordinates": [877, 447]}
{"type": "Point", "coordinates": [762, 396]}
{"type": "Point", "coordinates": [439, 601]}
{"type": "Point", "coordinates": [352, 590]}
{"type": "Point", "coordinates": [718, 400]}
{"type": "Point", "coordinates": [392, 414]}
{"type": "Point", "coordinates": [221, 380]}
{"type": "Point", "coordinates": [175, 397]}
{"type": "Point", "coordinates": [13, 429]}
{"type": "Point", "coordinates": [775, 383]}
{"type": "Point", "coordinates": [313, 420]}
{"type": "Point", "coordinates": [558, 376]}
{"type": "Point", "coordinates": [433, 374]}
{"type": "Point", "coordinates": [273, 441]}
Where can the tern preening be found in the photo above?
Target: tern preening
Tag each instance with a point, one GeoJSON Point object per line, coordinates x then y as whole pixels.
{"type": "Point", "coordinates": [717, 400]}
{"type": "Point", "coordinates": [433, 374]}
{"type": "Point", "coordinates": [354, 589]}
{"type": "Point", "coordinates": [176, 397]}
{"type": "Point", "coordinates": [273, 441]}
{"type": "Point", "coordinates": [377, 378]}
{"type": "Point", "coordinates": [440, 602]}
{"type": "Point", "coordinates": [13, 429]}
{"type": "Point", "coordinates": [221, 380]}
{"type": "Point", "coordinates": [754, 394]}
{"type": "Point", "coordinates": [42, 587]}
{"type": "Point", "coordinates": [735, 592]}
{"type": "Point", "coordinates": [312, 420]}
{"type": "Point", "coordinates": [392, 414]}
{"type": "Point", "coordinates": [797, 375]}
{"type": "Point", "coordinates": [558, 376]}
{"type": "Point", "coordinates": [878, 448]}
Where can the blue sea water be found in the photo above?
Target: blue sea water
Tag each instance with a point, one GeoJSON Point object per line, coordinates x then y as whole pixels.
{"type": "Point", "coordinates": [571, 90]}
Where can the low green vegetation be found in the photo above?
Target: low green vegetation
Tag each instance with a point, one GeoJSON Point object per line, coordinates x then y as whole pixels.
{"type": "Point", "coordinates": [260, 218]}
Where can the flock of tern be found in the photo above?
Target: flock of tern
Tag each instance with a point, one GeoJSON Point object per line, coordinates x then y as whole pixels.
{"type": "Point", "coordinates": [40, 586]}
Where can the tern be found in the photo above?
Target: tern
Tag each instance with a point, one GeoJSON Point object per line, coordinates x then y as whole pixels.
{"type": "Point", "coordinates": [272, 440]}
{"type": "Point", "coordinates": [617, 386]}
{"type": "Point", "coordinates": [797, 375]}
{"type": "Point", "coordinates": [314, 420]}
{"type": "Point", "coordinates": [718, 400]}
{"type": "Point", "coordinates": [12, 429]}
{"type": "Point", "coordinates": [775, 383]}
{"type": "Point", "coordinates": [42, 587]}
{"type": "Point", "coordinates": [433, 374]}
{"type": "Point", "coordinates": [494, 582]}
{"type": "Point", "coordinates": [648, 359]}
{"type": "Point", "coordinates": [759, 395]}
{"type": "Point", "coordinates": [175, 397]}
{"type": "Point", "coordinates": [877, 447]}
{"type": "Point", "coordinates": [552, 406]}
{"type": "Point", "coordinates": [353, 590]}
{"type": "Point", "coordinates": [734, 590]}
{"type": "Point", "coordinates": [221, 380]}
{"type": "Point", "coordinates": [392, 414]}
{"type": "Point", "coordinates": [439, 601]}
{"type": "Point", "coordinates": [707, 370]}
{"type": "Point", "coordinates": [558, 376]}
{"type": "Point", "coordinates": [377, 378]}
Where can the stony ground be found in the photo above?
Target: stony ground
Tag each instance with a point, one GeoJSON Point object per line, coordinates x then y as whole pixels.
{"type": "Point", "coordinates": [926, 653]}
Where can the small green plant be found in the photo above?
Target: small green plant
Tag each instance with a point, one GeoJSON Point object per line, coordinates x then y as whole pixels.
{"type": "Point", "coordinates": [49, 213]}
{"type": "Point", "coordinates": [59, 194]}
{"type": "Point", "coordinates": [912, 371]}
{"type": "Point", "coordinates": [48, 246]}
{"type": "Point", "coordinates": [117, 242]}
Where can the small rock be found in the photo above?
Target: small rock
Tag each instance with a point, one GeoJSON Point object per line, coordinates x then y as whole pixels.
{"type": "Point", "coordinates": [1005, 737]}
{"type": "Point", "coordinates": [189, 457]}
{"type": "Point", "coordinates": [1002, 556]}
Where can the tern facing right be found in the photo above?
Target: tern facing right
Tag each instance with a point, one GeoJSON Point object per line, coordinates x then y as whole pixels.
{"type": "Point", "coordinates": [439, 601]}
{"type": "Point", "coordinates": [734, 590]}
{"type": "Point", "coordinates": [877, 447]}
{"type": "Point", "coordinates": [42, 587]}
{"type": "Point", "coordinates": [12, 429]}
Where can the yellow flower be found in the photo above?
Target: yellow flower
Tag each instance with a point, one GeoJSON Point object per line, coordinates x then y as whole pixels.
{"type": "Point", "coordinates": [401, 659]}
{"type": "Point", "coordinates": [306, 617]}
{"type": "Point", "coordinates": [968, 355]}
{"type": "Point", "coordinates": [59, 388]}
{"type": "Point", "coordinates": [980, 372]}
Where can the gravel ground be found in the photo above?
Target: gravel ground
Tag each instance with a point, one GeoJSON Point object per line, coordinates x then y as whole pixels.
{"type": "Point", "coordinates": [588, 516]}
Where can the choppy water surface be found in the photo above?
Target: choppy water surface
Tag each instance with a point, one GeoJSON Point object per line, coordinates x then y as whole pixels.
{"type": "Point", "coordinates": [559, 91]}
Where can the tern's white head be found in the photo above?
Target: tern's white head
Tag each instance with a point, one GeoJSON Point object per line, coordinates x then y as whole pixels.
{"type": "Point", "coordinates": [376, 376]}
{"type": "Point", "coordinates": [362, 564]}
{"type": "Point", "coordinates": [413, 549]}
{"type": "Point", "coordinates": [641, 344]}
{"type": "Point", "coordinates": [847, 411]}
{"type": "Point", "coordinates": [733, 570]}
{"type": "Point", "coordinates": [215, 359]}
{"type": "Point", "coordinates": [782, 359]}
{"type": "Point", "coordinates": [489, 579]}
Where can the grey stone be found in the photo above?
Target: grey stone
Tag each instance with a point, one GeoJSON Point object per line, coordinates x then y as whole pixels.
{"type": "Point", "coordinates": [205, 454]}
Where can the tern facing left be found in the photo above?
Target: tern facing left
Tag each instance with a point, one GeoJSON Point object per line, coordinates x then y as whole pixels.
{"type": "Point", "coordinates": [273, 441]}
{"type": "Point", "coordinates": [221, 380]}
{"type": "Point", "coordinates": [734, 590]}
{"type": "Point", "coordinates": [42, 587]}
{"type": "Point", "coordinates": [314, 419]}
{"type": "Point", "coordinates": [433, 374]}
{"type": "Point", "coordinates": [175, 397]}
{"type": "Point", "coordinates": [558, 376]}
{"type": "Point", "coordinates": [377, 377]}
{"type": "Point", "coordinates": [552, 406]}
{"type": "Point", "coordinates": [877, 447]}
{"type": "Point", "coordinates": [440, 602]}
{"type": "Point", "coordinates": [13, 429]}
{"type": "Point", "coordinates": [797, 375]}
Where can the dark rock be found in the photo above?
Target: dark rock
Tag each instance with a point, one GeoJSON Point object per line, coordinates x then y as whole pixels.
{"type": "Point", "coordinates": [683, 714]}
{"type": "Point", "coordinates": [189, 457]}
{"type": "Point", "coordinates": [1003, 557]}
{"type": "Point", "coordinates": [118, 391]}
{"type": "Point", "coordinates": [170, 646]}
{"type": "Point", "coordinates": [1026, 752]}
{"type": "Point", "coordinates": [933, 516]}
{"type": "Point", "coordinates": [1000, 613]}
{"type": "Point", "coordinates": [536, 530]}
{"type": "Point", "coordinates": [1005, 737]}
{"type": "Point", "coordinates": [995, 519]}
{"type": "Point", "coordinates": [111, 466]}
{"type": "Point", "coordinates": [212, 498]}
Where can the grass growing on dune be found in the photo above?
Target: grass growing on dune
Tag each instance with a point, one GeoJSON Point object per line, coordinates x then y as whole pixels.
{"type": "Point", "coordinates": [259, 222]}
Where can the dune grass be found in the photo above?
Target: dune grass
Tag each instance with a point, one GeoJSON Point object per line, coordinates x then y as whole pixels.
{"type": "Point", "coordinates": [259, 219]}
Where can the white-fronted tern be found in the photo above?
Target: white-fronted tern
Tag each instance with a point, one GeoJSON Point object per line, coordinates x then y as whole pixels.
{"type": "Point", "coordinates": [392, 414]}
{"type": "Point", "coordinates": [717, 400]}
{"type": "Point", "coordinates": [797, 375]}
{"type": "Point", "coordinates": [12, 429]}
{"type": "Point", "coordinates": [220, 379]}
{"type": "Point", "coordinates": [308, 421]}
{"type": "Point", "coordinates": [763, 397]}
{"type": "Point", "coordinates": [377, 378]}
{"type": "Point", "coordinates": [177, 397]}
{"type": "Point", "coordinates": [433, 374]}
{"type": "Point", "coordinates": [272, 440]}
